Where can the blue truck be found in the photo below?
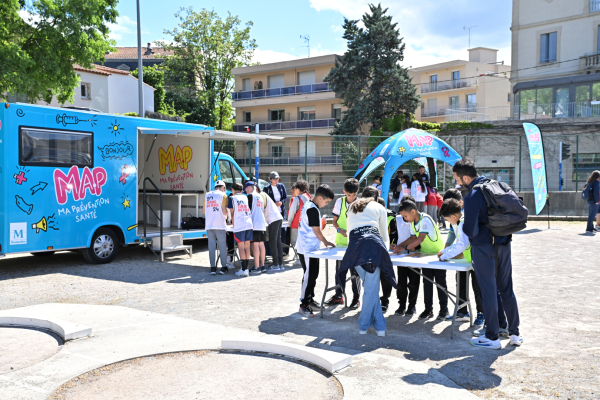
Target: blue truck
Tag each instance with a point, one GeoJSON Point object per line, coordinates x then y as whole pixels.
{"type": "Point", "coordinates": [77, 180]}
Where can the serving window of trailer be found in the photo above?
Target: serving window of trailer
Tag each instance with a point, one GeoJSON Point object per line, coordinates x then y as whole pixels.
{"type": "Point", "coordinates": [55, 147]}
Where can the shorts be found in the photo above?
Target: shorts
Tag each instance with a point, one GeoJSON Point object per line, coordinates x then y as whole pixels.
{"type": "Point", "coordinates": [243, 236]}
{"type": "Point", "coordinates": [259, 236]}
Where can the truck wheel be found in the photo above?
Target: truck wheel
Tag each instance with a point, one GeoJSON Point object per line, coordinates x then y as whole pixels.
{"type": "Point", "coordinates": [42, 254]}
{"type": "Point", "coordinates": [104, 247]}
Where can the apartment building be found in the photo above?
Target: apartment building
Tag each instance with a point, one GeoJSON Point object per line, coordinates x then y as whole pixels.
{"type": "Point", "coordinates": [290, 99]}
{"type": "Point", "coordinates": [462, 90]}
{"type": "Point", "coordinates": [556, 58]}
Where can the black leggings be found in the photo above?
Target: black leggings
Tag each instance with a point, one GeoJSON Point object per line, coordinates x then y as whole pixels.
{"type": "Point", "coordinates": [309, 279]}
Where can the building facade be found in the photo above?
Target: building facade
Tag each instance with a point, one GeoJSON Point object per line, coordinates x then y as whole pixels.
{"type": "Point", "coordinates": [461, 90]}
{"type": "Point", "coordinates": [126, 58]}
{"type": "Point", "coordinates": [290, 99]}
{"type": "Point", "coordinates": [108, 90]}
{"type": "Point", "coordinates": [556, 58]}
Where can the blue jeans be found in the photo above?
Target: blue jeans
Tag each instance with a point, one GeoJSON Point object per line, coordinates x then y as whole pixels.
{"type": "Point", "coordinates": [371, 313]}
{"type": "Point", "coordinates": [593, 211]}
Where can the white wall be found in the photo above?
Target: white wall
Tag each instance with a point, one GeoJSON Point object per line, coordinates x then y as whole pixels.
{"type": "Point", "coordinates": [99, 93]}
{"type": "Point", "coordinates": [123, 90]}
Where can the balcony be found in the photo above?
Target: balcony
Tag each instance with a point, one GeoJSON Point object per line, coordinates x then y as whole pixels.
{"type": "Point", "coordinates": [448, 85]}
{"type": "Point", "coordinates": [287, 125]}
{"type": "Point", "coordinates": [293, 161]}
{"type": "Point", "coordinates": [594, 5]}
{"type": "Point", "coordinates": [590, 61]}
{"type": "Point", "coordinates": [281, 92]}
{"type": "Point", "coordinates": [441, 111]}
{"type": "Point", "coordinates": [525, 112]}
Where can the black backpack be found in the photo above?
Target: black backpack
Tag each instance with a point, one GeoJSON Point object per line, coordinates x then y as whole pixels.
{"type": "Point", "coordinates": [190, 222]}
{"type": "Point", "coordinates": [506, 212]}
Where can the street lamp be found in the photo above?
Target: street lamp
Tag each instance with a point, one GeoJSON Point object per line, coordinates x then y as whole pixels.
{"type": "Point", "coordinates": [140, 69]}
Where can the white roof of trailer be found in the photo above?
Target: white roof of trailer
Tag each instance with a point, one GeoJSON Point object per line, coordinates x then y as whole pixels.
{"type": "Point", "coordinates": [211, 134]}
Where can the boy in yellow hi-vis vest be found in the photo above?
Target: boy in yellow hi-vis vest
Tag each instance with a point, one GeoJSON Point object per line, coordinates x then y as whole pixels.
{"type": "Point", "coordinates": [340, 211]}
{"type": "Point", "coordinates": [425, 234]}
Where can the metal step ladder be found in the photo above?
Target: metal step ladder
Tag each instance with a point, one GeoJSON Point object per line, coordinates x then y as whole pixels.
{"type": "Point", "coordinates": [170, 243]}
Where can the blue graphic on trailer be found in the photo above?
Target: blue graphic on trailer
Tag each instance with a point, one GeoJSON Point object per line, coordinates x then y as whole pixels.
{"type": "Point", "coordinates": [538, 165]}
{"type": "Point", "coordinates": [403, 147]}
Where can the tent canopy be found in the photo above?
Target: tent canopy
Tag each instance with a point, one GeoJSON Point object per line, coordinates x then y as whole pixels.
{"type": "Point", "coordinates": [403, 147]}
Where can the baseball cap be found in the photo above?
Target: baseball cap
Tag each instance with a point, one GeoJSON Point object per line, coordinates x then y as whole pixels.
{"type": "Point", "coordinates": [273, 175]}
{"type": "Point", "coordinates": [219, 183]}
{"type": "Point", "coordinates": [249, 183]}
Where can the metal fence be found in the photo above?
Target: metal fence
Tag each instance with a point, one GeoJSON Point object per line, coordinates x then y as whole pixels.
{"type": "Point", "coordinates": [521, 112]}
{"type": "Point", "coordinates": [501, 157]}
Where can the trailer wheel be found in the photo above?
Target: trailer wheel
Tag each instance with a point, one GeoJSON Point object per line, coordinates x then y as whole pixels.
{"type": "Point", "coordinates": [43, 253]}
{"type": "Point", "coordinates": [104, 247]}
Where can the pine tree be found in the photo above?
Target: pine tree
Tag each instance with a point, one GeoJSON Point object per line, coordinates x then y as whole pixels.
{"type": "Point", "coordinates": [369, 76]}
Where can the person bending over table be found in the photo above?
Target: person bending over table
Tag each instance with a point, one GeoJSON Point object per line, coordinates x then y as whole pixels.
{"type": "Point", "coordinates": [426, 234]}
{"type": "Point", "coordinates": [368, 253]}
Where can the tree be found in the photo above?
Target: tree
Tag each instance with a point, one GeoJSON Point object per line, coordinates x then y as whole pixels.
{"type": "Point", "coordinates": [155, 77]}
{"type": "Point", "coordinates": [205, 50]}
{"type": "Point", "coordinates": [369, 76]}
{"type": "Point", "coordinates": [37, 53]}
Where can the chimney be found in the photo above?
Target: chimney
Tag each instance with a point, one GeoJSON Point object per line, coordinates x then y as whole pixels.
{"type": "Point", "coordinates": [149, 49]}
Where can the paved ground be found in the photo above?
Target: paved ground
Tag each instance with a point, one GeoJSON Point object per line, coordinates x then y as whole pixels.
{"type": "Point", "coordinates": [22, 347]}
{"type": "Point", "coordinates": [555, 272]}
{"type": "Point", "coordinates": [202, 375]}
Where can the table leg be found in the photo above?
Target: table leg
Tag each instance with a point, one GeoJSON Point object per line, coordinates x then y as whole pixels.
{"type": "Point", "coordinates": [197, 197]}
{"type": "Point", "coordinates": [456, 304]}
{"type": "Point", "coordinates": [469, 299]}
{"type": "Point", "coordinates": [179, 212]}
{"type": "Point", "coordinates": [326, 284]}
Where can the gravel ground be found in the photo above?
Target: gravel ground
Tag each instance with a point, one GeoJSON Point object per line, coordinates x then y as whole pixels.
{"type": "Point", "coordinates": [555, 277]}
{"type": "Point", "coordinates": [201, 375]}
{"type": "Point", "coordinates": [22, 347]}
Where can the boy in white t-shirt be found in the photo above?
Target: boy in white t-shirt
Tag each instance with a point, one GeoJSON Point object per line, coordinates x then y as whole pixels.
{"type": "Point", "coordinates": [259, 226]}
{"type": "Point", "coordinates": [242, 225]}
{"type": "Point", "coordinates": [310, 237]}
{"type": "Point", "coordinates": [215, 213]}
{"type": "Point", "coordinates": [377, 184]}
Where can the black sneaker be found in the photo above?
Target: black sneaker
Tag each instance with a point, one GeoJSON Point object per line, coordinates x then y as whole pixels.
{"type": "Point", "coordinates": [213, 270]}
{"type": "Point", "coordinates": [255, 271]}
{"type": "Point", "coordinates": [384, 308]}
{"type": "Point", "coordinates": [400, 311]}
{"type": "Point", "coordinates": [334, 300]}
{"type": "Point", "coordinates": [223, 270]}
{"type": "Point", "coordinates": [411, 311]}
{"type": "Point", "coordinates": [314, 304]}
{"type": "Point", "coordinates": [306, 311]}
{"type": "Point", "coordinates": [355, 304]}
{"type": "Point", "coordinates": [263, 269]}
{"type": "Point", "coordinates": [426, 314]}
{"type": "Point", "coordinates": [442, 315]}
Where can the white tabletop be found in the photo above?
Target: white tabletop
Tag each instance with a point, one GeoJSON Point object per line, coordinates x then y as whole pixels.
{"type": "Point", "coordinates": [402, 260]}
{"type": "Point", "coordinates": [284, 225]}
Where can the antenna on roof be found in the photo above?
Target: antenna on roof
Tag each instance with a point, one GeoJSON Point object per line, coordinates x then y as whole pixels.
{"type": "Point", "coordinates": [307, 41]}
{"type": "Point", "coordinates": [469, 29]}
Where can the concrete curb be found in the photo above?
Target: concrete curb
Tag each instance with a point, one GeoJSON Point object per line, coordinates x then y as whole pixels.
{"type": "Point", "coordinates": [66, 330]}
{"type": "Point", "coordinates": [328, 360]}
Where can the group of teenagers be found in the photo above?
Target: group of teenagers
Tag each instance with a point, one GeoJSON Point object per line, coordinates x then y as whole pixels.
{"type": "Point", "coordinates": [257, 217]}
{"type": "Point", "coordinates": [371, 232]}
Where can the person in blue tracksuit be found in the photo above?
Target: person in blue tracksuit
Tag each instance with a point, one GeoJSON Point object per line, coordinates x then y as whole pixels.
{"type": "Point", "coordinates": [491, 256]}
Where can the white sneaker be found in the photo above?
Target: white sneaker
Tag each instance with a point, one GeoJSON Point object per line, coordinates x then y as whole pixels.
{"type": "Point", "coordinates": [274, 268]}
{"type": "Point", "coordinates": [242, 273]}
{"type": "Point", "coordinates": [484, 342]}
{"type": "Point", "coordinates": [515, 340]}
{"type": "Point", "coordinates": [380, 333]}
{"type": "Point", "coordinates": [362, 332]}
{"type": "Point", "coordinates": [281, 267]}
{"type": "Point", "coordinates": [597, 228]}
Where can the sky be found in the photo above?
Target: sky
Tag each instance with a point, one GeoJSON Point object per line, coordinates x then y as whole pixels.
{"type": "Point", "coordinates": [433, 30]}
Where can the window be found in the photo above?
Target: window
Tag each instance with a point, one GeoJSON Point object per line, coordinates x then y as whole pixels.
{"type": "Point", "coordinates": [275, 81]}
{"type": "Point", "coordinates": [588, 163]}
{"type": "Point", "coordinates": [85, 91]}
{"type": "Point", "coordinates": [277, 149]}
{"type": "Point", "coordinates": [276, 115]}
{"type": "Point", "coordinates": [247, 116]}
{"type": "Point", "coordinates": [306, 78]}
{"type": "Point", "coordinates": [471, 100]}
{"type": "Point", "coordinates": [455, 79]}
{"type": "Point", "coordinates": [306, 113]}
{"type": "Point", "coordinates": [310, 146]}
{"type": "Point", "coordinates": [505, 175]}
{"type": "Point", "coordinates": [246, 85]}
{"type": "Point", "coordinates": [432, 107]}
{"type": "Point", "coordinates": [548, 47]}
{"type": "Point", "coordinates": [454, 102]}
{"type": "Point", "coordinates": [336, 112]}
{"type": "Point", "coordinates": [237, 176]}
{"type": "Point", "coordinates": [598, 40]}
{"type": "Point", "coordinates": [43, 146]}
{"type": "Point", "coordinates": [225, 170]}
{"type": "Point", "coordinates": [582, 93]}
{"type": "Point", "coordinates": [433, 83]}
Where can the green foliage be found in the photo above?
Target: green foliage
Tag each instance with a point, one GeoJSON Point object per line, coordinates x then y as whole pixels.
{"type": "Point", "coordinates": [190, 108]}
{"type": "Point", "coordinates": [402, 122]}
{"type": "Point", "coordinates": [37, 53]}
{"type": "Point", "coordinates": [206, 48]}
{"type": "Point", "coordinates": [464, 125]}
{"type": "Point", "coordinates": [349, 151]}
{"type": "Point", "coordinates": [129, 114]}
{"type": "Point", "coordinates": [155, 77]}
{"type": "Point", "coordinates": [369, 76]}
{"type": "Point", "coordinates": [375, 138]}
